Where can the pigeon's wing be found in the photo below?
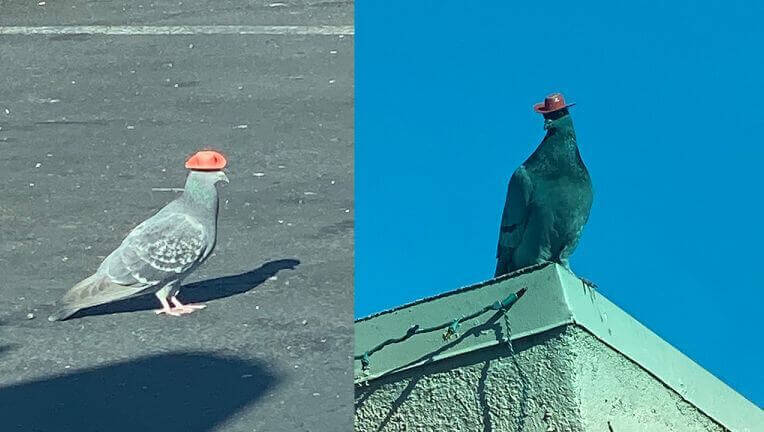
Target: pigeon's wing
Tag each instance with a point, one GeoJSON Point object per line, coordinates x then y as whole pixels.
{"type": "Point", "coordinates": [515, 215]}
{"type": "Point", "coordinates": [163, 247]}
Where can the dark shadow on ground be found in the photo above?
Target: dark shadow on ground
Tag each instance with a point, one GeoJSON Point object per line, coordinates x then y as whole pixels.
{"type": "Point", "coordinates": [198, 292]}
{"type": "Point", "coordinates": [189, 391]}
{"type": "Point", "coordinates": [7, 348]}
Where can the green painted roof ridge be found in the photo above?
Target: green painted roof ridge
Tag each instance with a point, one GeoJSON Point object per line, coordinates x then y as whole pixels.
{"type": "Point", "coordinates": [471, 287]}
{"type": "Point", "coordinates": [565, 300]}
{"type": "Point", "coordinates": [396, 324]}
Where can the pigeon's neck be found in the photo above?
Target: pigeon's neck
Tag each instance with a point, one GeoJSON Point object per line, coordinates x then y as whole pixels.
{"type": "Point", "coordinates": [201, 196]}
{"type": "Point", "coordinates": [559, 149]}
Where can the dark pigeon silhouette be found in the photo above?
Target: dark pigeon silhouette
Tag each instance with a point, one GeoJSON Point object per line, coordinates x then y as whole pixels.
{"type": "Point", "coordinates": [549, 197]}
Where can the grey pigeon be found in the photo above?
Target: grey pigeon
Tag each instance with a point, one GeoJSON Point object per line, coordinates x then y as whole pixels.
{"type": "Point", "coordinates": [549, 197]}
{"type": "Point", "coordinates": [160, 252]}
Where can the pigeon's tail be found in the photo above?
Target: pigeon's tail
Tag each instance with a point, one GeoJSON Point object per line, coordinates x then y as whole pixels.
{"type": "Point", "coordinates": [62, 314]}
{"type": "Point", "coordinates": [93, 291]}
{"type": "Point", "coordinates": [68, 305]}
{"type": "Point", "coordinates": [502, 266]}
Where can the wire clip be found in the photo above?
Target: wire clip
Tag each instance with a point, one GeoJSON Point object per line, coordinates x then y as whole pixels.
{"type": "Point", "coordinates": [452, 330]}
{"type": "Point", "coordinates": [509, 301]}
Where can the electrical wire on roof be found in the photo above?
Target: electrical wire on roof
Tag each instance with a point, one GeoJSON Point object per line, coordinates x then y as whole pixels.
{"type": "Point", "coordinates": [452, 329]}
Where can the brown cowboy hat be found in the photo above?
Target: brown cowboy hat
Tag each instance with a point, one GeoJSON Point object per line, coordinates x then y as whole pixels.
{"type": "Point", "coordinates": [553, 102]}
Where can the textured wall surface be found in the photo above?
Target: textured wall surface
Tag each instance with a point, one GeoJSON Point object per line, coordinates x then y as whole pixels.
{"type": "Point", "coordinates": [560, 380]}
{"type": "Point", "coordinates": [611, 388]}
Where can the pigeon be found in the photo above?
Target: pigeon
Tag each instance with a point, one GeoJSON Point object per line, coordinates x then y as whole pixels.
{"type": "Point", "coordinates": [161, 251]}
{"type": "Point", "coordinates": [549, 198]}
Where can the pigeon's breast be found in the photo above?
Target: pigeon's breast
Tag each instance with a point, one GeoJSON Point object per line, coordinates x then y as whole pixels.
{"type": "Point", "coordinates": [566, 206]}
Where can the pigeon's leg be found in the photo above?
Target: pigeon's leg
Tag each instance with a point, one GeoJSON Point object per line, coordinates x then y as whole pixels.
{"type": "Point", "coordinates": [185, 308]}
{"type": "Point", "coordinates": [565, 263]}
{"type": "Point", "coordinates": [162, 295]}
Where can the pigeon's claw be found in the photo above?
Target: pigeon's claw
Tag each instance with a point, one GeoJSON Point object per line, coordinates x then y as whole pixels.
{"type": "Point", "coordinates": [173, 312]}
{"type": "Point", "coordinates": [185, 308]}
{"type": "Point", "coordinates": [588, 283]}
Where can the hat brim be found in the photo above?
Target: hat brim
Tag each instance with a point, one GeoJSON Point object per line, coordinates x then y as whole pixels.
{"type": "Point", "coordinates": [539, 108]}
{"type": "Point", "coordinates": [204, 169]}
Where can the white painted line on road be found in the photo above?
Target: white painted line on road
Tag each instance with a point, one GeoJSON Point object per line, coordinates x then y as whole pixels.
{"type": "Point", "coordinates": [162, 189]}
{"type": "Point", "coordinates": [178, 30]}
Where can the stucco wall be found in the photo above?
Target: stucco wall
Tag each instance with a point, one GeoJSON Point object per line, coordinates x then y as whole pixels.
{"type": "Point", "coordinates": [560, 380]}
{"type": "Point", "coordinates": [611, 388]}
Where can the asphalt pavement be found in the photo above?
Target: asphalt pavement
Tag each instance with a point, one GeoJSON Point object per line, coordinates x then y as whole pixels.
{"type": "Point", "coordinates": [94, 132]}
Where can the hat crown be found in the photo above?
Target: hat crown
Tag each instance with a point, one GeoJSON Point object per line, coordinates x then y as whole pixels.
{"type": "Point", "coordinates": [553, 102]}
{"type": "Point", "coordinates": [206, 160]}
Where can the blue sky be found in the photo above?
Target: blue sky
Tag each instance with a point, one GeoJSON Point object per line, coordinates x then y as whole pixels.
{"type": "Point", "coordinates": [669, 116]}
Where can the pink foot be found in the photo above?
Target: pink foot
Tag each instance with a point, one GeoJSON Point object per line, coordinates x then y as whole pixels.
{"type": "Point", "coordinates": [166, 309]}
{"type": "Point", "coordinates": [187, 308]}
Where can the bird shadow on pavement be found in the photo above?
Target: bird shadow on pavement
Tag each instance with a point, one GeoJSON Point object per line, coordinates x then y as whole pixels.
{"type": "Point", "coordinates": [198, 292]}
{"type": "Point", "coordinates": [183, 391]}
{"type": "Point", "coordinates": [7, 348]}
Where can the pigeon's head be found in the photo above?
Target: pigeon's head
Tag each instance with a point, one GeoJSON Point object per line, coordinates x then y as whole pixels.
{"type": "Point", "coordinates": [207, 178]}
{"type": "Point", "coordinates": [553, 118]}
{"type": "Point", "coordinates": [210, 177]}
{"type": "Point", "coordinates": [558, 121]}
{"type": "Point", "coordinates": [207, 167]}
